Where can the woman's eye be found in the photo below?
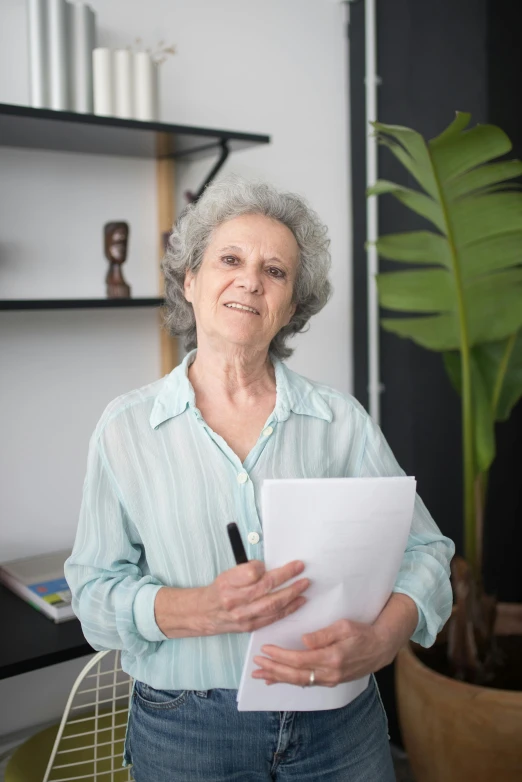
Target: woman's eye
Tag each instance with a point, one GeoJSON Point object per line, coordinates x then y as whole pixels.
{"type": "Point", "coordinates": [228, 258]}
{"type": "Point", "coordinates": [278, 272]}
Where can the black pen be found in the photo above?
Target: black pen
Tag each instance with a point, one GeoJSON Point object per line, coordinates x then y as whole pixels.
{"type": "Point", "coordinates": [236, 543]}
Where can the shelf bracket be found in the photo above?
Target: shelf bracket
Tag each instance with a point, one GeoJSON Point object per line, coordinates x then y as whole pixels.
{"type": "Point", "coordinates": [192, 197]}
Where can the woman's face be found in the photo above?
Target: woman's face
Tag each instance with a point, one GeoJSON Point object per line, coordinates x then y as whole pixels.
{"type": "Point", "coordinates": [250, 260]}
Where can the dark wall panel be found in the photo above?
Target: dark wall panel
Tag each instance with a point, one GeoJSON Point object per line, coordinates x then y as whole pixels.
{"type": "Point", "coordinates": [503, 528]}
{"type": "Point", "coordinates": [434, 59]}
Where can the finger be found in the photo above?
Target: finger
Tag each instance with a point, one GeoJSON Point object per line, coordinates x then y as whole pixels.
{"type": "Point", "coordinates": [256, 581]}
{"type": "Point", "coordinates": [275, 672]}
{"type": "Point", "coordinates": [264, 621]}
{"type": "Point", "coordinates": [275, 578]}
{"type": "Point", "coordinates": [273, 603]}
{"type": "Point", "coordinates": [297, 659]}
{"type": "Point", "coordinates": [247, 574]}
{"type": "Point", "coordinates": [337, 631]}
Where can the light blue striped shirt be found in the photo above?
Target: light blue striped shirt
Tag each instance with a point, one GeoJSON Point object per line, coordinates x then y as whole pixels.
{"type": "Point", "coordinates": [160, 488]}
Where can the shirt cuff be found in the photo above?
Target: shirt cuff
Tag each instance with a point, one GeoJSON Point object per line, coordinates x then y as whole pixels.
{"type": "Point", "coordinates": [143, 611]}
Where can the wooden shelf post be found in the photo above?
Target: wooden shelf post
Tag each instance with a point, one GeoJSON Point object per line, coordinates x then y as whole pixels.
{"type": "Point", "coordinates": [166, 213]}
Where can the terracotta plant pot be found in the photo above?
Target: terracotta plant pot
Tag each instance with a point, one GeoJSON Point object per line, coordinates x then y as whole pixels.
{"type": "Point", "coordinates": [458, 732]}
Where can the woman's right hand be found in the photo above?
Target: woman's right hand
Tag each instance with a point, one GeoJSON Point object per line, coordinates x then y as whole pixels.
{"type": "Point", "coordinates": [240, 600]}
{"type": "Point", "coordinates": [247, 597]}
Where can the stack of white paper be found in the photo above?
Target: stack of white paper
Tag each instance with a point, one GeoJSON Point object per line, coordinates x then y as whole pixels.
{"type": "Point", "coordinates": [351, 533]}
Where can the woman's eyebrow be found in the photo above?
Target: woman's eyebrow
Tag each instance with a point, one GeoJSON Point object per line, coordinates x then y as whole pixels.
{"type": "Point", "coordinates": [237, 249]}
{"type": "Point", "coordinates": [231, 247]}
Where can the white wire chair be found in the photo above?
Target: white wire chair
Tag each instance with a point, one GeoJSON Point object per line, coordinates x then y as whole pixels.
{"type": "Point", "coordinates": [90, 740]}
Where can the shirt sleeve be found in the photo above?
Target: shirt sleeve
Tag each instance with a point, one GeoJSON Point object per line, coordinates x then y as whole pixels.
{"type": "Point", "coordinates": [424, 574]}
{"type": "Point", "coordinates": [112, 598]}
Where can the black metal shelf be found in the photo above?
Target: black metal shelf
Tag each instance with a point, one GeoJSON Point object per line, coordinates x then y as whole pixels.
{"type": "Point", "coordinates": [77, 304]}
{"type": "Point", "coordinates": [67, 131]}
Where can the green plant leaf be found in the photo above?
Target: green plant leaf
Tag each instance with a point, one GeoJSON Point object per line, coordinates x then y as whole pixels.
{"type": "Point", "coordinates": [451, 360]}
{"type": "Point", "coordinates": [460, 123]}
{"type": "Point", "coordinates": [417, 202]}
{"type": "Point", "coordinates": [491, 254]}
{"type": "Point", "coordinates": [482, 177]}
{"type": "Point", "coordinates": [497, 387]}
{"type": "Point", "coordinates": [494, 304]}
{"type": "Point", "coordinates": [484, 423]}
{"type": "Point", "coordinates": [501, 369]}
{"type": "Point", "coordinates": [501, 366]}
{"type": "Point", "coordinates": [483, 418]}
{"type": "Point", "coordinates": [411, 150]}
{"type": "Point", "coordinates": [482, 216]}
{"type": "Point", "coordinates": [435, 332]}
{"type": "Point", "coordinates": [416, 291]}
{"type": "Point", "coordinates": [415, 247]}
{"type": "Point", "coordinates": [460, 152]}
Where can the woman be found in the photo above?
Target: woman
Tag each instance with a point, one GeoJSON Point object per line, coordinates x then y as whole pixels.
{"type": "Point", "coordinates": [172, 463]}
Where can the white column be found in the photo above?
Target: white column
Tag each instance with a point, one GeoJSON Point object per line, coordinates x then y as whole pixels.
{"type": "Point", "coordinates": [59, 83]}
{"type": "Point", "coordinates": [37, 50]}
{"type": "Point", "coordinates": [146, 87]}
{"type": "Point", "coordinates": [124, 83]}
{"type": "Point", "coordinates": [103, 76]}
{"type": "Point", "coordinates": [82, 43]}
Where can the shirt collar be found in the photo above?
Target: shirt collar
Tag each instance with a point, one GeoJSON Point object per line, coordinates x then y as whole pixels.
{"type": "Point", "coordinates": [294, 393]}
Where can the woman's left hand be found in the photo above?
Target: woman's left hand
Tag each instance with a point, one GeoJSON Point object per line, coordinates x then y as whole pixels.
{"type": "Point", "coordinates": [339, 653]}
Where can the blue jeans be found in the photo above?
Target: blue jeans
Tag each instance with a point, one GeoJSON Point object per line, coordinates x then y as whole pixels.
{"type": "Point", "coordinates": [192, 736]}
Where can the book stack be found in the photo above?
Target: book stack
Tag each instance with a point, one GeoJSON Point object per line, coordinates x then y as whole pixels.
{"type": "Point", "coordinates": [40, 581]}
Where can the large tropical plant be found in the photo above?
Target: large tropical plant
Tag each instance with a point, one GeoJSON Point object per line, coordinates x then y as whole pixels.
{"type": "Point", "coordinates": [463, 296]}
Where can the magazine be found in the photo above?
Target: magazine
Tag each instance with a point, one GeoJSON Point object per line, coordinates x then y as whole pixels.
{"type": "Point", "coordinates": [40, 581]}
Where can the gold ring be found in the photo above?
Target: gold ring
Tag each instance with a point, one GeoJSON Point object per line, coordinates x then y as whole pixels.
{"type": "Point", "coordinates": [311, 680]}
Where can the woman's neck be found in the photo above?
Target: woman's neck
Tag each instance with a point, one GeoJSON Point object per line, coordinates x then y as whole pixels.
{"type": "Point", "coordinates": [235, 376]}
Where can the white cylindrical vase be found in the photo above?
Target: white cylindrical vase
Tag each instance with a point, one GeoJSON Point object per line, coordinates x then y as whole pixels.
{"type": "Point", "coordinates": [146, 87]}
{"type": "Point", "coordinates": [37, 49]}
{"type": "Point", "coordinates": [103, 81]}
{"type": "Point", "coordinates": [124, 84]}
{"type": "Point", "coordinates": [82, 42]}
{"type": "Point", "coordinates": [58, 42]}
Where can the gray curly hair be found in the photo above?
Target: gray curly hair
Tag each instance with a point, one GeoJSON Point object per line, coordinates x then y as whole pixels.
{"type": "Point", "coordinates": [221, 201]}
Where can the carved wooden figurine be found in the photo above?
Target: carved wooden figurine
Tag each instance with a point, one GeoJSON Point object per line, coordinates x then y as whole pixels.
{"type": "Point", "coordinates": [116, 239]}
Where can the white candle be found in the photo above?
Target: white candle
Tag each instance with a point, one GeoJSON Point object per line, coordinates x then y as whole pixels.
{"type": "Point", "coordinates": [123, 83]}
{"type": "Point", "coordinates": [37, 48]}
{"type": "Point", "coordinates": [82, 38]}
{"type": "Point", "coordinates": [146, 87]}
{"type": "Point", "coordinates": [59, 85]}
{"type": "Point", "coordinates": [103, 81]}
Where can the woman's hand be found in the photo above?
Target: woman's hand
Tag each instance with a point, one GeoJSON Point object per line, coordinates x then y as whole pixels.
{"type": "Point", "coordinates": [240, 600]}
{"type": "Point", "coordinates": [247, 597]}
{"type": "Point", "coordinates": [344, 651]}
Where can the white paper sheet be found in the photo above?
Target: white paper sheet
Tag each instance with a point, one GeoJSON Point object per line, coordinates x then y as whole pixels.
{"type": "Point", "coordinates": [351, 533]}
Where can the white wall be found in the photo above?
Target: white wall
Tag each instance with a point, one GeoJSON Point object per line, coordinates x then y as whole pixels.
{"type": "Point", "coordinates": [277, 67]}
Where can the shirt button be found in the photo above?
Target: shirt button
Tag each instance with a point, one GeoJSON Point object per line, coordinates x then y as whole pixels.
{"type": "Point", "coordinates": [242, 477]}
{"type": "Point", "coordinates": [253, 538]}
{"type": "Point", "coordinates": [268, 431]}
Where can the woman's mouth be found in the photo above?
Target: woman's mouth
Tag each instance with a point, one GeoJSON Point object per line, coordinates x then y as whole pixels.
{"type": "Point", "coordinates": [241, 308]}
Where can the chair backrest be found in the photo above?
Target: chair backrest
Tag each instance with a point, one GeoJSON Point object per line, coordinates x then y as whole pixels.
{"type": "Point", "coordinates": [90, 739]}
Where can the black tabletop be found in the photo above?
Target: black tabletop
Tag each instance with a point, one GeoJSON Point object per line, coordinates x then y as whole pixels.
{"type": "Point", "coordinates": [30, 640]}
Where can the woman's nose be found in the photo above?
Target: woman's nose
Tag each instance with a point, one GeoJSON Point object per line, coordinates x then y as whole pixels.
{"type": "Point", "coordinates": [250, 279]}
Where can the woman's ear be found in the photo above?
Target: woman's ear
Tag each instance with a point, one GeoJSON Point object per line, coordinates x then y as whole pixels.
{"type": "Point", "coordinates": [187, 285]}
